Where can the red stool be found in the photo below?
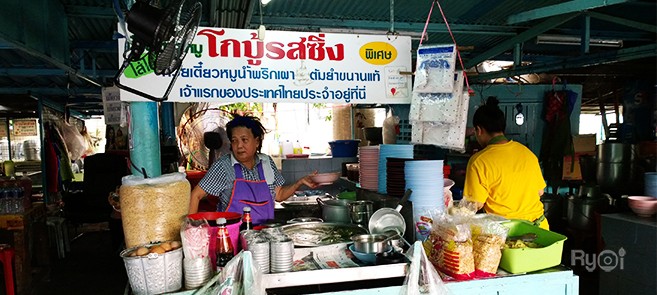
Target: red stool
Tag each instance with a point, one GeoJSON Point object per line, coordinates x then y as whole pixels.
{"type": "Point", "coordinates": [6, 257]}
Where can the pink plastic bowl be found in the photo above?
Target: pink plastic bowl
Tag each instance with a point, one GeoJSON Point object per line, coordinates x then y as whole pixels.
{"type": "Point", "coordinates": [642, 205]}
{"type": "Point", "coordinates": [325, 178]}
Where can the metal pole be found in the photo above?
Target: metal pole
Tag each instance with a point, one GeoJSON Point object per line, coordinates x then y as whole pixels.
{"type": "Point", "coordinates": [144, 139]}
{"type": "Point", "coordinates": [168, 123]}
{"type": "Point", "coordinates": [8, 138]}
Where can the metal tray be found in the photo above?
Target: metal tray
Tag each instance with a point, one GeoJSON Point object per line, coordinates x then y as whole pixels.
{"type": "Point", "coordinates": [313, 234]}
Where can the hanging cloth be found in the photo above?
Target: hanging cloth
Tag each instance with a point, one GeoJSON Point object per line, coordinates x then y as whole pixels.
{"type": "Point", "coordinates": [557, 138]}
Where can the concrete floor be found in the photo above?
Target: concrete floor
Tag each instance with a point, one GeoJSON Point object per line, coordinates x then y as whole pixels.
{"type": "Point", "coordinates": [92, 267]}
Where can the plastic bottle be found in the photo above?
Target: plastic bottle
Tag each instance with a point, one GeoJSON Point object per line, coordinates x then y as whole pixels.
{"type": "Point", "coordinates": [297, 149]}
{"type": "Point", "coordinates": [3, 200]}
{"type": "Point", "coordinates": [287, 148]}
{"type": "Point", "coordinates": [224, 247]}
{"type": "Point", "coordinates": [247, 223]}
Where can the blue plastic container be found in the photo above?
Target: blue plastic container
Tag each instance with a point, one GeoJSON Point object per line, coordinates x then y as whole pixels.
{"type": "Point", "coordinates": [344, 148]}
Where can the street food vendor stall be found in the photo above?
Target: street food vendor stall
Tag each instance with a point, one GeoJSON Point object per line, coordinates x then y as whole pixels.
{"type": "Point", "coordinates": [231, 65]}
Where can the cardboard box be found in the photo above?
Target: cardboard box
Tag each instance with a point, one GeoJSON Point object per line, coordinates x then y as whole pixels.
{"type": "Point", "coordinates": [584, 143]}
{"type": "Point", "coordinates": [571, 168]}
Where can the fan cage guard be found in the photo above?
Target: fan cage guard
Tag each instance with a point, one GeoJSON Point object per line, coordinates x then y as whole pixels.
{"type": "Point", "coordinates": [184, 133]}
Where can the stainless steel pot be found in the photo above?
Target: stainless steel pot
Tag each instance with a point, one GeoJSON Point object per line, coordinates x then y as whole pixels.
{"type": "Point", "coordinates": [581, 211]}
{"type": "Point", "coordinates": [369, 243]}
{"type": "Point", "coordinates": [361, 211]}
{"type": "Point", "coordinates": [335, 210]}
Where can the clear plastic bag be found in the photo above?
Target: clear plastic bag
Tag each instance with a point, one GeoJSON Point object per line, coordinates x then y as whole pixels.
{"type": "Point", "coordinates": [152, 208]}
{"type": "Point", "coordinates": [435, 69]}
{"type": "Point", "coordinates": [390, 129]}
{"type": "Point", "coordinates": [488, 239]}
{"type": "Point", "coordinates": [441, 108]}
{"type": "Point", "coordinates": [74, 141]}
{"type": "Point", "coordinates": [422, 277]}
{"type": "Point", "coordinates": [240, 276]}
{"type": "Point", "coordinates": [451, 247]}
{"type": "Point", "coordinates": [450, 136]}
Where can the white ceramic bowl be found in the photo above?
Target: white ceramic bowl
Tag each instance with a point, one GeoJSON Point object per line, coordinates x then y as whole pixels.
{"type": "Point", "coordinates": [325, 178]}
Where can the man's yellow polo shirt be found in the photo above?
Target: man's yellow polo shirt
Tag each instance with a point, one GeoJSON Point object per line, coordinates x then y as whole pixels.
{"type": "Point", "coordinates": [506, 178]}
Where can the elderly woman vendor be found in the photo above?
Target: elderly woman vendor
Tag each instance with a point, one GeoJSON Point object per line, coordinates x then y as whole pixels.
{"type": "Point", "coordinates": [246, 177]}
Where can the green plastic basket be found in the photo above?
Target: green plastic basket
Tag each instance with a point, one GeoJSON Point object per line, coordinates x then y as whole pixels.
{"type": "Point", "coordinates": [532, 259]}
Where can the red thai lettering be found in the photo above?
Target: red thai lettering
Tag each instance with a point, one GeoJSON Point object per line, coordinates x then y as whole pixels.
{"type": "Point", "coordinates": [275, 50]}
{"type": "Point", "coordinates": [338, 54]}
{"type": "Point", "coordinates": [297, 49]}
{"type": "Point", "coordinates": [212, 40]}
{"type": "Point", "coordinates": [259, 48]}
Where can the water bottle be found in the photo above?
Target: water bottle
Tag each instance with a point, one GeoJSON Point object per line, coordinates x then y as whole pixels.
{"type": "Point", "coordinates": [13, 200]}
{"type": "Point", "coordinates": [18, 199]}
{"type": "Point", "coordinates": [4, 200]}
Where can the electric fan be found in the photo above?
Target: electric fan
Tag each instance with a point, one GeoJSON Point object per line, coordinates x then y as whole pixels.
{"type": "Point", "coordinates": [162, 36]}
{"type": "Point", "coordinates": [198, 132]}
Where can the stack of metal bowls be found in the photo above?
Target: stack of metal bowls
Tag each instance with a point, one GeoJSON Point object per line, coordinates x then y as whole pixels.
{"type": "Point", "coordinates": [31, 150]}
{"type": "Point", "coordinates": [282, 255]}
{"type": "Point", "coordinates": [258, 244]}
{"type": "Point", "coordinates": [198, 271]}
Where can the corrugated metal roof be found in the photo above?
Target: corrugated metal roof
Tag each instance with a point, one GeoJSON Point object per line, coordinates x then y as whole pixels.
{"type": "Point", "coordinates": [479, 26]}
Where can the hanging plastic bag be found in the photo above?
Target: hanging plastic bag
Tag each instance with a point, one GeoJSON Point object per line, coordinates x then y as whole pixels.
{"type": "Point", "coordinates": [240, 276]}
{"type": "Point", "coordinates": [390, 129]}
{"type": "Point", "coordinates": [435, 69]}
{"type": "Point", "coordinates": [422, 277]}
{"type": "Point", "coordinates": [74, 141]}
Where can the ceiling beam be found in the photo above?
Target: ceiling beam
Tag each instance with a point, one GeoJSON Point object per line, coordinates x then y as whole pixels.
{"type": "Point", "coordinates": [90, 12]}
{"type": "Point", "coordinates": [520, 38]}
{"type": "Point", "coordinates": [50, 91]}
{"type": "Point", "coordinates": [31, 72]}
{"type": "Point", "coordinates": [574, 62]}
{"type": "Point", "coordinates": [623, 21]}
{"type": "Point", "coordinates": [559, 9]}
{"type": "Point", "coordinates": [96, 46]}
{"type": "Point", "coordinates": [301, 22]}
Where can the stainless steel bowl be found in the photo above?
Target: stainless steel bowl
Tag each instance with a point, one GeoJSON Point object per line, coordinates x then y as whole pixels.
{"type": "Point", "coordinates": [304, 219]}
{"type": "Point", "coordinates": [369, 243]}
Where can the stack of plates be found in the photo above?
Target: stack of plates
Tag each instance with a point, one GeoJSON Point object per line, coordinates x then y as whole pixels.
{"type": "Point", "coordinates": [368, 159]}
{"type": "Point", "coordinates": [391, 151]}
{"type": "Point", "coordinates": [395, 182]}
{"type": "Point", "coordinates": [282, 255]}
{"type": "Point", "coordinates": [198, 271]}
{"type": "Point", "coordinates": [425, 178]}
{"type": "Point", "coordinates": [260, 251]}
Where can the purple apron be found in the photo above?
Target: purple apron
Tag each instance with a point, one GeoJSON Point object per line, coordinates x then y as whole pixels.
{"type": "Point", "coordinates": [254, 194]}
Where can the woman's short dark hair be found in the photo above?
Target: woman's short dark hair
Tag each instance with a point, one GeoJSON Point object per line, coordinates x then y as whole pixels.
{"type": "Point", "coordinates": [250, 122]}
{"type": "Point", "coordinates": [489, 116]}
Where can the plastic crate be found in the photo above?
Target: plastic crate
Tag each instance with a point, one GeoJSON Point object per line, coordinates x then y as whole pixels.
{"type": "Point", "coordinates": [532, 259]}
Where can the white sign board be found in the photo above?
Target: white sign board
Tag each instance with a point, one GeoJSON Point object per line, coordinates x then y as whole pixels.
{"type": "Point", "coordinates": [111, 105]}
{"type": "Point", "coordinates": [234, 65]}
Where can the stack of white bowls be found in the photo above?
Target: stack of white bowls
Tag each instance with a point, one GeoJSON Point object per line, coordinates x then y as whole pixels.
{"type": "Point", "coordinates": [425, 178]}
{"type": "Point", "coordinates": [368, 159]}
{"type": "Point", "coordinates": [198, 271]}
{"type": "Point", "coordinates": [391, 151]}
{"type": "Point", "coordinates": [282, 255]}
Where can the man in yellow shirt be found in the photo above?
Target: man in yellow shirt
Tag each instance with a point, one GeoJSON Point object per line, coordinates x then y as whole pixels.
{"type": "Point", "coordinates": [504, 178]}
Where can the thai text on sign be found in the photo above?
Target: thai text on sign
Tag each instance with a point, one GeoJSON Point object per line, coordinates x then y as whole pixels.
{"type": "Point", "coordinates": [234, 65]}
